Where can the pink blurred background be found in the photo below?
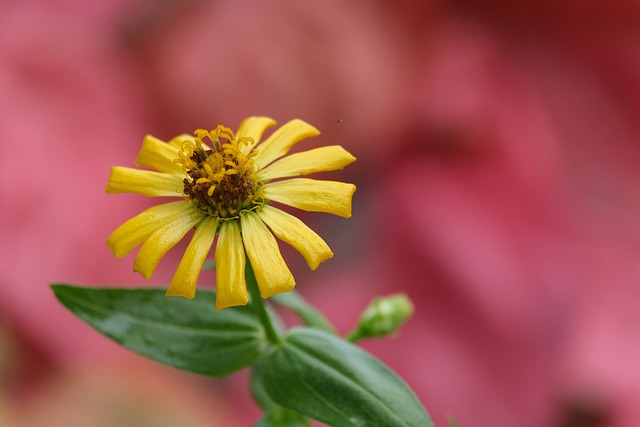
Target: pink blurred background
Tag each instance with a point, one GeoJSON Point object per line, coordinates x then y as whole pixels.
{"type": "Point", "coordinates": [498, 146]}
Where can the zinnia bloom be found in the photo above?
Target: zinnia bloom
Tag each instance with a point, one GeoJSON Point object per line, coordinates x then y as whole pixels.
{"type": "Point", "coordinates": [226, 183]}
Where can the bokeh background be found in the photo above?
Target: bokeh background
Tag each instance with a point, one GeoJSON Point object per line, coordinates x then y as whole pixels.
{"type": "Point", "coordinates": [498, 147]}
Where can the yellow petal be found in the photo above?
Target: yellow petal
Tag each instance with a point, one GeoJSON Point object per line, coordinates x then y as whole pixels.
{"type": "Point", "coordinates": [231, 287]}
{"type": "Point", "coordinates": [281, 141]}
{"type": "Point", "coordinates": [186, 277]}
{"type": "Point", "coordinates": [147, 183]}
{"type": "Point", "coordinates": [136, 230]}
{"type": "Point", "coordinates": [323, 159]}
{"type": "Point", "coordinates": [272, 274]}
{"type": "Point", "coordinates": [253, 127]}
{"type": "Point", "coordinates": [159, 155]}
{"type": "Point", "coordinates": [177, 141]}
{"type": "Point", "coordinates": [159, 243]}
{"type": "Point", "coordinates": [293, 231]}
{"type": "Point", "coordinates": [312, 195]}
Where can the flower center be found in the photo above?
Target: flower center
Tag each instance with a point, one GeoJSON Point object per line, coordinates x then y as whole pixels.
{"type": "Point", "coordinates": [221, 180]}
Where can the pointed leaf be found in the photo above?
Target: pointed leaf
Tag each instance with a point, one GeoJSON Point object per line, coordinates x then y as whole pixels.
{"type": "Point", "coordinates": [174, 331]}
{"type": "Point", "coordinates": [326, 378]}
{"type": "Point", "coordinates": [305, 311]}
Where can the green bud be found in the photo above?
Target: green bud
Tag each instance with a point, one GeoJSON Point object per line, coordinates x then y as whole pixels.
{"type": "Point", "coordinates": [384, 316]}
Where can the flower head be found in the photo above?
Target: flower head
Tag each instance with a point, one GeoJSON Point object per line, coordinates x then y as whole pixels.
{"type": "Point", "coordinates": [226, 184]}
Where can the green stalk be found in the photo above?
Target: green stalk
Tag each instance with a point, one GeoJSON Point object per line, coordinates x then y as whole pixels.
{"type": "Point", "coordinates": [258, 305]}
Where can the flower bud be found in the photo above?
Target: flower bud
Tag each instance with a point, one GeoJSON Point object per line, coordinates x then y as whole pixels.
{"type": "Point", "coordinates": [384, 316]}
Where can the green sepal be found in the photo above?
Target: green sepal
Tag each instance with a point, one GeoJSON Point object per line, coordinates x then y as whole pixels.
{"type": "Point", "coordinates": [323, 377]}
{"type": "Point", "coordinates": [189, 335]}
{"type": "Point", "coordinates": [305, 311]}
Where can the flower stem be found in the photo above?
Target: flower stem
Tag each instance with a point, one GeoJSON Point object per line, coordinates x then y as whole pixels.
{"type": "Point", "coordinates": [258, 305]}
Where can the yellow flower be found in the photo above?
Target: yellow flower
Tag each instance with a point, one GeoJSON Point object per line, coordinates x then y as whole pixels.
{"type": "Point", "coordinates": [226, 183]}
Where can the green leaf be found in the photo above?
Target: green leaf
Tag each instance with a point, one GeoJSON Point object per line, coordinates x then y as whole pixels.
{"type": "Point", "coordinates": [209, 264]}
{"type": "Point", "coordinates": [305, 311]}
{"type": "Point", "coordinates": [256, 387]}
{"type": "Point", "coordinates": [184, 334]}
{"type": "Point", "coordinates": [290, 419]}
{"type": "Point", "coordinates": [275, 415]}
{"type": "Point", "coordinates": [326, 378]}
